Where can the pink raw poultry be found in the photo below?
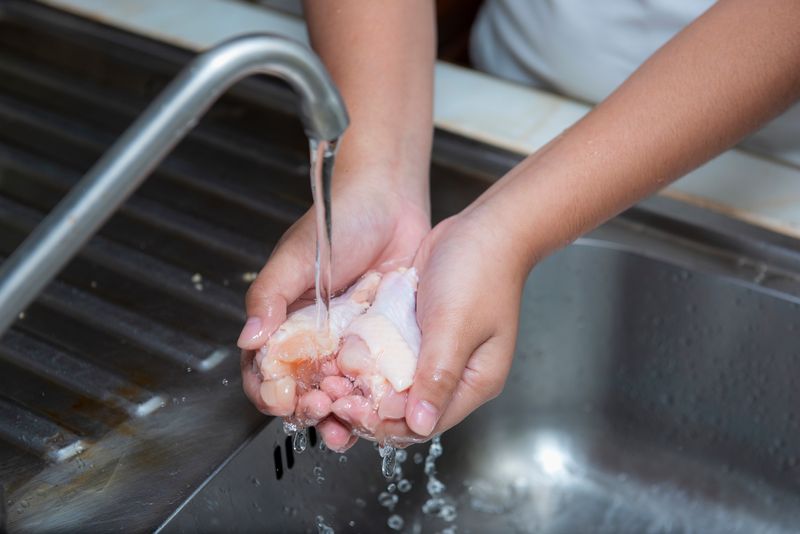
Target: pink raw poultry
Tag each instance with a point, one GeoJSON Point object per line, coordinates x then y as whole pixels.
{"type": "Point", "coordinates": [360, 369]}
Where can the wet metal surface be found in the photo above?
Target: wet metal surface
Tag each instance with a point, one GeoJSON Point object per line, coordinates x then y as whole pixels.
{"type": "Point", "coordinates": [655, 384]}
{"type": "Point", "coordinates": [119, 386]}
{"type": "Point", "coordinates": [646, 396]}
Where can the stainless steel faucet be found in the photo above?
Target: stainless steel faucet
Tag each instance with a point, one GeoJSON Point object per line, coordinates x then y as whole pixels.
{"type": "Point", "coordinates": [150, 138]}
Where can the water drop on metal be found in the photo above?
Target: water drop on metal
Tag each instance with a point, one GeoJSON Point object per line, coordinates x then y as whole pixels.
{"type": "Point", "coordinates": [388, 462]}
{"type": "Point", "coordinates": [300, 440]}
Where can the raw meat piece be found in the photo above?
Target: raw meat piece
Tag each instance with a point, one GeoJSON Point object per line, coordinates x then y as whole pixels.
{"type": "Point", "coordinates": [361, 370]}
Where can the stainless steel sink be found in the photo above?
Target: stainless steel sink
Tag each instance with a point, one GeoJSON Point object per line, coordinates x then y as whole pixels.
{"type": "Point", "coordinates": [647, 395]}
{"type": "Point", "coordinates": [654, 389]}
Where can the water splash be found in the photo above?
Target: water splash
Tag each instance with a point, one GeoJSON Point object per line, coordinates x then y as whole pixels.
{"type": "Point", "coordinates": [300, 440]}
{"type": "Point", "coordinates": [319, 474]}
{"type": "Point", "coordinates": [395, 522]}
{"type": "Point", "coordinates": [389, 455]}
{"type": "Point", "coordinates": [437, 504]}
{"type": "Point", "coordinates": [323, 528]}
{"type": "Point", "coordinates": [388, 500]}
{"type": "Point", "coordinates": [289, 428]}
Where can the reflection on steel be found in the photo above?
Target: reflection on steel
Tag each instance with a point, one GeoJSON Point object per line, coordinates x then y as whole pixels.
{"type": "Point", "coordinates": [150, 138]}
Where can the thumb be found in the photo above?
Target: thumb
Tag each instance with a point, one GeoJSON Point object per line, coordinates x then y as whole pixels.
{"type": "Point", "coordinates": [448, 340]}
{"type": "Point", "coordinates": [286, 276]}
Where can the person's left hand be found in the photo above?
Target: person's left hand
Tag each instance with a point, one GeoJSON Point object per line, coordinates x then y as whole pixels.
{"type": "Point", "coordinates": [471, 280]}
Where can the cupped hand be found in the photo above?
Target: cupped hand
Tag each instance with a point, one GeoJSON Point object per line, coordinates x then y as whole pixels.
{"type": "Point", "coordinates": [374, 228]}
{"type": "Point", "coordinates": [471, 280]}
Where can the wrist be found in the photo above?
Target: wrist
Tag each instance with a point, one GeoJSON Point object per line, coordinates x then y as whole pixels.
{"type": "Point", "coordinates": [521, 220]}
{"type": "Point", "coordinates": [383, 167]}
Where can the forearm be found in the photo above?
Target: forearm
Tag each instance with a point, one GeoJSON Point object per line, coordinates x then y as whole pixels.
{"type": "Point", "coordinates": [730, 71]}
{"type": "Point", "coordinates": [380, 54]}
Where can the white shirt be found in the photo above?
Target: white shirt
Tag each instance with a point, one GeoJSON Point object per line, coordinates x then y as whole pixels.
{"type": "Point", "coordinates": [586, 48]}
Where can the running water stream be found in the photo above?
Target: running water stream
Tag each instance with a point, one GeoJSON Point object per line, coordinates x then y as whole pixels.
{"type": "Point", "coordinates": [323, 155]}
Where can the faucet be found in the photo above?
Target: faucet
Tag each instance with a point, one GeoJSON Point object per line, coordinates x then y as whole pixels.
{"type": "Point", "coordinates": [150, 138]}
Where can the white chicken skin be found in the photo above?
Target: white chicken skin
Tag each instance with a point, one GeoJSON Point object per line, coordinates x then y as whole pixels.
{"type": "Point", "coordinates": [360, 370]}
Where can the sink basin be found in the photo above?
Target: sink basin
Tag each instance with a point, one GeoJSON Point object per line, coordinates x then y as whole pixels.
{"type": "Point", "coordinates": [654, 388]}
{"type": "Point", "coordinates": [645, 396]}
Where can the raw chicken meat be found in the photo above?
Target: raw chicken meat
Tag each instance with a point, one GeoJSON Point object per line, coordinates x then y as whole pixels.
{"type": "Point", "coordinates": [360, 369]}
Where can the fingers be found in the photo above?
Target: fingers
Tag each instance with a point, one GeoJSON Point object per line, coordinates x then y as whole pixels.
{"type": "Point", "coordinates": [448, 340]}
{"type": "Point", "coordinates": [483, 379]}
{"type": "Point", "coordinates": [286, 276]}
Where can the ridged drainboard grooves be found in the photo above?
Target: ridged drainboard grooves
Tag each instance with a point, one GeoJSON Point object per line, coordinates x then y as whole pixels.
{"type": "Point", "coordinates": [145, 319]}
{"type": "Point", "coordinates": [119, 388]}
{"type": "Point", "coordinates": [37, 434]}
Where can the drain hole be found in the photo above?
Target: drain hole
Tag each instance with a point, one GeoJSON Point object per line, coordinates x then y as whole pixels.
{"type": "Point", "coordinates": [289, 452]}
{"type": "Point", "coordinates": [276, 455]}
{"type": "Point", "coordinates": [312, 436]}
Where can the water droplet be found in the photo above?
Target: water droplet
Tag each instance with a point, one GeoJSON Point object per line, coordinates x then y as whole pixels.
{"type": "Point", "coordinates": [432, 505]}
{"type": "Point", "coordinates": [361, 503]}
{"type": "Point", "coordinates": [418, 458]}
{"type": "Point", "coordinates": [255, 481]}
{"type": "Point", "coordinates": [448, 513]}
{"type": "Point", "coordinates": [401, 455]}
{"type": "Point", "coordinates": [289, 428]}
{"type": "Point", "coordinates": [436, 448]}
{"type": "Point", "coordinates": [404, 485]}
{"type": "Point", "coordinates": [435, 487]}
{"type": "Point", "coordinates": [395, 522]}
{"type": "Point", "coordinates": [388, 463]}
{"type": "Point", "coordinates": [322, 528]}
{"type": "Point", "coordinates": [224, 381]}
{"type": "Point", "coordinates": [343, 459]}
{"type": "Point", "coordinates": [188, 369]}
{"type": "Point", "coordinates": [300, 440]}
{"type": "Point", "coordinates": [387, 500]}
{"type": "Point", "coordinates": [318, 473]}
{"type": "Point", "coordinates": [391, 488]}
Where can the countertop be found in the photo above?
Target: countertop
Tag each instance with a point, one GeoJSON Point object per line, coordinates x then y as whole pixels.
{"type": "Point", "coordinates": [518, 118]}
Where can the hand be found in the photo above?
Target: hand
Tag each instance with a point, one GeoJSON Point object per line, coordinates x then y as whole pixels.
{"type": "Point", "coordinates": [471, 281]}
{"type": "Point", "coordinates": [373, 229]}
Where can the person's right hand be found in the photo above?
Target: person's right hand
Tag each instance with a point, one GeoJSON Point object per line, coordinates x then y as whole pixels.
{"type": "Point", "coordinates": [374, 228]}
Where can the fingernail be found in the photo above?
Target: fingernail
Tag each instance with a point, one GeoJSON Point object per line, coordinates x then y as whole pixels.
{"type": "Point", "coordinates": [252, 329]}
{"type": "Point", "coordinates": [424, 418]}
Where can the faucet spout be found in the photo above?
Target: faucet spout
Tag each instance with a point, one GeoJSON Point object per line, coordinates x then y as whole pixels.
{"type": "Point", "coordinates": [150, 138]}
